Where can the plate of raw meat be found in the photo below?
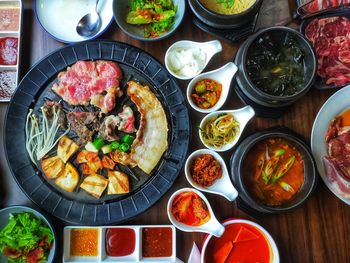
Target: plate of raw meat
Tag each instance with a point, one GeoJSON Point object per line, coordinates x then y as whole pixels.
{"type": "Point", "coordinates": [330, 143]}
{"type": "Point", "coordinates": [101, 132]}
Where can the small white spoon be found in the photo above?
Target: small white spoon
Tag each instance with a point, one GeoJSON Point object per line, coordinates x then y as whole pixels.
{"type": "Point", "coordinates": [242, 116]}
{"type": "Point", "coordinates": [221, 75]}
{"type": "Point", "coordinates": [222, 186]}
{"type": "Point", "coordinates": [206, 49]}
{"type": "Point", "coordinates": [212, 227]}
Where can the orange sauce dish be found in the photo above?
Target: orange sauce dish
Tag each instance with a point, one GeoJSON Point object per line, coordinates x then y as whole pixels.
{"type": "Point", "coordinates": [84, 242]}
{"type": "Point", "coordinates": [189, 209]}
{"type": "Point", "coordinates": [240, 243]}
{"type": "Point", "coordinates": [273, 171]}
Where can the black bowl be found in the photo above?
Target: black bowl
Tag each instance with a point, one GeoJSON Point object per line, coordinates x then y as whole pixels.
{"type": "Point", "coordinates": [221, 21]}
{"type": "Point", "coordinates": [246, 200]}
{"type": "Point", "coordinates": [245, 84]}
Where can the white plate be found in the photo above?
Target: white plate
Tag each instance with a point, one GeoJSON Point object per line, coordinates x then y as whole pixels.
{"type": "Point", "coordinates": [60, 17]}
{"type": "Point", "coordinates": [335, 105]}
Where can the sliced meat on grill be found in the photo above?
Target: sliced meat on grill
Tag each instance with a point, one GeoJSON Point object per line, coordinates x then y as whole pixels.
{"type": "Point", "coordinates": [95, 82]}
{"type": "Point", "coordinates": [331, 40]}
{"type": "Point", "coordinates": [84, 124]}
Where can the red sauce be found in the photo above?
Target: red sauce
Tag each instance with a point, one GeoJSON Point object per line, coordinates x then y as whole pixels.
{"type": "Point", "coordinates": [8, 50]}
{"type": "Point", "coordinates": [120, 242]}
{"type": "Point", "coordinates": [239, 243]}
{"type": "Point", "coordinates": [157, 242]}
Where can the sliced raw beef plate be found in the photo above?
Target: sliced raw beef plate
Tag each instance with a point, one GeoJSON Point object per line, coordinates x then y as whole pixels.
{"type": "Point", "coordinates": [318, 5]}
{"type": "Point", "coordinates": [331, 40]}
{"type": "Point", "coordinates": [94, 82]}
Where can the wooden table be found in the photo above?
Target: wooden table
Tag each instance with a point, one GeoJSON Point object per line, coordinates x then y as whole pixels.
{"type": "Point", "coordinates": [316, 232]}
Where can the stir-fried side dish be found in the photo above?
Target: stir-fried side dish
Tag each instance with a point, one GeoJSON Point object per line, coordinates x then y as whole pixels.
{"type": "Point", "coordinates": [206, 93]}
{"type": "Point", "coordinates": [157, 16]}
{"type": "Point", "coordinates": [91, 144]}
{"type": "Point", "coordinates": [329, 36]}
{"type": "Point", "coordinates": [220, 130]}
{"type": "Point", "coordinates": [278, 174]}
{"type": "Point", "coordinates": [205, 170]}
{"type": "Point", "coordinates": [26, 238]}
{"type": "Point", "coordinates": [189, 209]}
{"type": "Point", "coordinates": [228, 7]}
{"type": "Point", "coordinates": [337, 164]}
{"type": "Point", "coordinates": [240, 243]}
{"type": "Point", "coordinates": [276, 66]}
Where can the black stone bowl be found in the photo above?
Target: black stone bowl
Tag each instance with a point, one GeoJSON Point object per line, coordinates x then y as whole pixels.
{"type": "Point", "coordinates": [245, 84]}
{"type": "Point", "coordinates": [221, 21]}
{"type": "Point", "coordinates": [248, 202]}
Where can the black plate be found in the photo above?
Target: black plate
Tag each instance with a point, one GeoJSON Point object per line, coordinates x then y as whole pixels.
{"type": "Point", "coordinates": [319, 83]}
{"type": "Point", "coordinates": [79, 207]}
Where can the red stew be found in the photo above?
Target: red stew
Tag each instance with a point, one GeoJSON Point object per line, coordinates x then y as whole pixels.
{"type": "Point", "coordinates": [239, 243]}
{"type": "Point", "coordinates": [8, 50]}
{"type": "Point", "coordinates": [120, 242]}
{"type": "Point", "coordinates": [157, 242]}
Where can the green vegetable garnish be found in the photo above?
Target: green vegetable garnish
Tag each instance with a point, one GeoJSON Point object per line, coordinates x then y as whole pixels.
{"type": "Point", "coordinates": [283, 169]}
{"type": "Point", "coordinates": [227, 3]}
{"type": "Point", "coordinates": [269, 169]}
{"type": "Point", "coordinates": [114, 145]}
{"type": "Point", "coordinates": [279, 152]}
{"type": "Point", "coordinates": [124, 147]}
{"type": "Point", "coordinates": [128, 139]}
{"type": "Point", "coordinates": [23, 234]}
{"type": "Point", "coordinates": [98, 143]}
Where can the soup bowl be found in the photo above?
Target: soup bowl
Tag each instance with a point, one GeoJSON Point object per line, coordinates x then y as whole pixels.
{"type": "Point", "coordinates": [221, 21]}
{"type": "Point", "coordinates": [277, 35]}
{"type": "Point", "coordinates": [247, 201]}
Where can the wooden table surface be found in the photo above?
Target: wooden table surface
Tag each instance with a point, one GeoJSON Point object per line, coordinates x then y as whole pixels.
{"type": "Point", "coordinates": [316, 232]}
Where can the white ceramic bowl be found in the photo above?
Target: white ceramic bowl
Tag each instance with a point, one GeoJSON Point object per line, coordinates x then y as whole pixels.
{"type": "Point", "coordinates": [273, 248]}
{"type": "Point", "coordinates": [242, 116]}
{"type": "Point", "coordinates": [59, 18]}
{"type": "Point", "coordinates": [222, 186]}
{"type": "Point", "coordinates": [4, 217]}
{"type": "Point", "coordinates": [212, 227]}
{"type": "Point", "coordinates": [221, 75]}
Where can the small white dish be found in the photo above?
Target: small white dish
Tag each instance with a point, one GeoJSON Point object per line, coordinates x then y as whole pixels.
{"type": "Point", "coordinates": [60, 17]}
{"type": "Point", "coordinates": [212, 227]}
{"type": "Point", "coordinates": [221, 75]}
{"type": "Point", "coordinates": [222, 186]}
{"type": "Point", "coordinates": [242, 116]}
{"type": "Point", "coordinates": [209, 49]}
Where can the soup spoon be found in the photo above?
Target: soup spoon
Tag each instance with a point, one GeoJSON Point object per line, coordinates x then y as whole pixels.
{"type": "Point", "coordinates": [212, 227]}
{"type": "Point", "coordinates": [242, 116]}
{"type": "Point", "coordinates": [209, 49]}
{"type": "Point", "coordinates": [222, 186]}
{"type": "Point", "coordinates": [90, 23]}
{"type": "Point", "coordinates": [221, 75]}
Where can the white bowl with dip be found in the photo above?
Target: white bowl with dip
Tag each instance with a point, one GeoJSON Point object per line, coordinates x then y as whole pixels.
{"type": "Point", "coordinates": [242, 116]}
{"type": "Point", "coordinates": [221, 75]}
{"type": "Point", "coordinates": [212, 227]}
{"type": "Point", "coordinates": [221, 186]}
{"type": "Point", "coordinates": [186, 59]}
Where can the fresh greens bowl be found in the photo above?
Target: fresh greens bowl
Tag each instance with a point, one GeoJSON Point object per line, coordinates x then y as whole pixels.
{"type": "Point", "coordinates": [121, 8]}
{"type": "Point", "coordinates": [4, 220]}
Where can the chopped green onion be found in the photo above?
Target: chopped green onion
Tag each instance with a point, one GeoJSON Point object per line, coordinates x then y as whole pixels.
{"type": "Point", "coordinates": [106, 149]}
{"type": "Point", "coordinates": [90, 147]}
{"type": "Point", "coordinates": [287, 187]}
{"type": "Point", "coordinates": [98, 143]}
{"type": "Point", "coordinates": [128, 139]}
{"type": "Point", "coordinates": [114, 145]}
{"type": "Point", "coordinates": [124, 147]}
{"type": "Point", "coordinates": [279, 152]}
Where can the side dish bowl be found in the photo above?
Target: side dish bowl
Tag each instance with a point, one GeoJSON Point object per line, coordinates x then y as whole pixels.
{"type": "Point", "coordinates": [121, 8]}
{"type": "Point", "coordinates": [4, 218]}
{"type": "Point", "coordinates": [278, 35]}
{"type": "Point", "coordinates": [238, 159]}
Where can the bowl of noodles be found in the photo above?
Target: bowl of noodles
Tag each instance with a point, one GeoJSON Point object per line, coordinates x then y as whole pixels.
{"type": "Point", "coordinates": [225, 13]}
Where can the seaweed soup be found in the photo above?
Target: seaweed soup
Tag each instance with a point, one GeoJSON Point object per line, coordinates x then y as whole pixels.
{"type": "Point", "coordinates": [275, 64]}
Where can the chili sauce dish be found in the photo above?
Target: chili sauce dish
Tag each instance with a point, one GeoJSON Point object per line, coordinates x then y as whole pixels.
{"type": "Point", "coordinates": [10, 40]}
{"type": "Point", "coordinates": [149, 243]}
{"type": "Point", "coordinates": [242, 241]}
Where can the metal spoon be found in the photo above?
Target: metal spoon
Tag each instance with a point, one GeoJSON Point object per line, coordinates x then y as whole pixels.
{"type": "Point", "coordinates": [89, 24]}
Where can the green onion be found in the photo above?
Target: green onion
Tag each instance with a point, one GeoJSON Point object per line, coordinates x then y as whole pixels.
{"type": "Point", "coordinates": [124, 147]}
{"type": "Point", "coordinates": [98, 143]}
{"type": "Point", "coordinates": [114, 145]}
{"type": "Point", "coordinates": [128, 139]}
{"type": "Point", "coordinates": [279, 152]}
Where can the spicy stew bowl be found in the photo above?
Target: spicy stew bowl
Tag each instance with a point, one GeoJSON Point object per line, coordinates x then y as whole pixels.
{"type": "Point", "coordinates": [242, 170]}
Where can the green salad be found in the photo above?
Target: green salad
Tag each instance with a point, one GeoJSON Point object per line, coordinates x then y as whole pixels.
{"type": "Point", "coordinates": [156, 15]}
{"type": "Point", "coordinates": [26, 238]}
